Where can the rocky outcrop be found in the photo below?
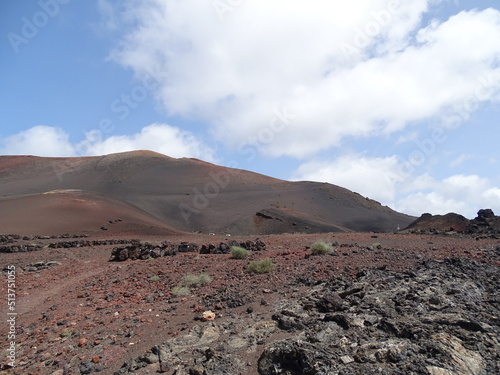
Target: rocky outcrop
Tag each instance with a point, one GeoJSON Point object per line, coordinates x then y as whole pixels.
{"type": "Point", "coordinates": [16, 244]}
{"type": "Point", "coordinates": [442, 318]}
{"type": "Point", "coordinates": [448, 222]}
{"type": "Point", "coordinates": [147, 250]}
{"type": "Point", "coordinates": [225, 247]}
{"type": "Point", "coordinates": [485, 223]}
{"type": "Point", "coordinates": [421, 322]}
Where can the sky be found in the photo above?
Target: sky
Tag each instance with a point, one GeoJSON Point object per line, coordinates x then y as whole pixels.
{"type": "Point", "coordinates": [396, 100]}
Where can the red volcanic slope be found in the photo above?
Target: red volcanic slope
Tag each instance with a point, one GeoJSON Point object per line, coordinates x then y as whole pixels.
{"type": "Point", "coordinates": [185, 194]}
{"type": "Point", "coordinates": [76, 212]}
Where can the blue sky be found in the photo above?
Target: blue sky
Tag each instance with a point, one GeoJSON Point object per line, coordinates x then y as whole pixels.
{"type": "Point", "coordinates": [396, 100]}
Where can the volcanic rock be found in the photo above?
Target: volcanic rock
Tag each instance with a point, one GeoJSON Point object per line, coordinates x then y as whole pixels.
{"type": "Point", "coordinates": [441, 318]}
{"type": "Point", "coordinates": [485, 223]}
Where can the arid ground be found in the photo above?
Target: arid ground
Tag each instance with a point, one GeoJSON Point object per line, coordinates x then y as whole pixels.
{"type": "Point", "coordinates": [79, 313]}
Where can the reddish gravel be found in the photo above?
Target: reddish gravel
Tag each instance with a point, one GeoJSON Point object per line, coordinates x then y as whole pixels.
{"type": "Point", "coordinates": [89, 308]}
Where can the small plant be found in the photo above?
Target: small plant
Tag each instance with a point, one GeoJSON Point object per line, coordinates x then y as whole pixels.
{"type": "Point", "coordinates": [151, 258]}
{"type": "Point", "coordinates": [261, 266]}
{"type": "Point", "coordinates": [196, 280]}
{"type": "Point", "coordinates": [181, 291]}
{"type": "Point", "coordinates": [376, 245]}
{"type": "Point", "coordinates": [154, 278]}
{"type": "Point", "coordinates": [239, 253]}
{"type": "Point", "coordinates": [321, 248]}
{"type": "Point", "coordinates": [66, 334]}
{"type": "Point", "coordinates": [204, 279]}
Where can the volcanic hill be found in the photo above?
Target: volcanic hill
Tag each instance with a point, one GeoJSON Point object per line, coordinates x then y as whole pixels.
{"type": "Point", "coordinates": [147, 192]}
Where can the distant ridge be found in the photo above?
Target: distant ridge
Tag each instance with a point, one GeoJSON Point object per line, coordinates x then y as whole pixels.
{"type": "Point", "coordinates": [486, 222]}
{"type": "Point", "coordinates": [168, 195]}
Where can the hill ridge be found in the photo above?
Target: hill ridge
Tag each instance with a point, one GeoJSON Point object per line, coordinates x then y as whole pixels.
{"type": "Point", "coordinates": [192, 195]}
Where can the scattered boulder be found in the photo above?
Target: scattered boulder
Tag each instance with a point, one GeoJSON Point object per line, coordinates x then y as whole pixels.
{"type": "Point", "coordinates": [187, 247]}
{"type": "Point", "coordinates": [143, 251]}
{"type": "Point", "coordinates": [208, 316]}
{"type": "Point", "coordinates": [256, 245]}
{"type": "Point", "coordinates": [225, 247]}
{"type": "Point", "coordinates": [207, 249]}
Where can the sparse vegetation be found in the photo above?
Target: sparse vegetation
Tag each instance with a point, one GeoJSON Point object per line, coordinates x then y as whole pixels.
{"type": "Point", "coordinates": [376, 245]}
{"type": "Point", "coordinates": [154, 278]}
{"type": "Point", "coordinates": [190, 281]}
{"type": "Point", "coordinates": [66, 333]}
{"type": "Point", "coordinates": [195, 280]}
{"type": "Point", "coordinates": [181, 291]}
{"type": "Point", "coordinates": [321, 248]}
{"type": "Point", "coordinates": [239, 253]}
{"type": "Point", "coordinates": [261, 266]}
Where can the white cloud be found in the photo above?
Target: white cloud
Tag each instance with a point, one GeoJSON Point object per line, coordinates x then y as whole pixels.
{"type": "Point", "coordinates": [39, 140]}
{"type": "Point", "coordinates": [378, 179]}
{"type": "Point", "coordinates": [50, 141]}
{"type": "Point", "coordinates": [359, 68]}
{"type": "Point", "coordinates": [459, 160]}
{"type": "Point", "coordinates": [464, 194]}
{"type": "Point", "coordinates": [161, 138]}
{"type": "Point", "coordinates": [371, 177]}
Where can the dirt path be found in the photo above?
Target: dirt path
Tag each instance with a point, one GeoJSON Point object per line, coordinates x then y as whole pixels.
{"type": "Point", "coordinates": [40, 299]}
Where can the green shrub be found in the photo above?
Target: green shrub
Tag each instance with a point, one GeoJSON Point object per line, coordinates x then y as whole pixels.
{"type": "Point", "coordinates": [376, 245]}
{"type": "Point", "coordinates": [239, 252]}
{"type": "Point", "coordinates": [195, 280]}
{"type": "Point", "coordinates": [261, 266]}
{"type": "Point", "coordinates": [321, 248]}
{"type": "Point", "coordinates": [154, 278]}
{"type": "Point", "coordinates": [181, 291]}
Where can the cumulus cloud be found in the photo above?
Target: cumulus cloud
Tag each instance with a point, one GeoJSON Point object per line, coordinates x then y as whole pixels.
{"type": "Point", "coordinates": [380, 179]}
{"type": "Point", "coordinates": [162, 138]}
{"type": "Point", "coordinates": [39, 140]}
{"type": "Point", "coordinates": [351, 69]}
{"type": "Point", "coordinates": [371, 177]}
{"type": "Point", "coordinates": [464, 194]}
